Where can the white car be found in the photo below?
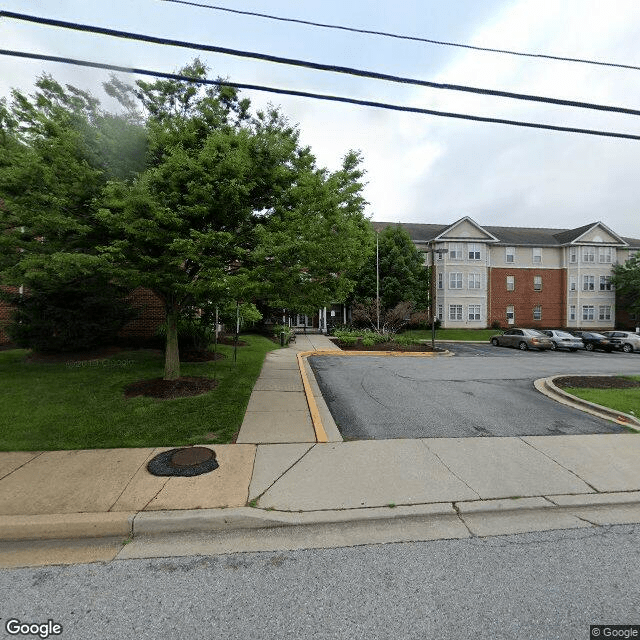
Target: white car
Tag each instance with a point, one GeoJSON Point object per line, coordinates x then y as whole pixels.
{"type": "Point", "coordinates": [626, 341]}
{"type": "Point", "coordinates": [563, 340]}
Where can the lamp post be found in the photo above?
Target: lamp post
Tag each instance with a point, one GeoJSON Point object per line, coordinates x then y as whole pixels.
{"type": "Point", "coordinates": [440, 252]}
{"type": "Point", "coordinates": [377, 285]}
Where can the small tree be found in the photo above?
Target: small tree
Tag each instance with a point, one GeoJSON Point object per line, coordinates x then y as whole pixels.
{"type": "Point", "coordinates": [626, 279]}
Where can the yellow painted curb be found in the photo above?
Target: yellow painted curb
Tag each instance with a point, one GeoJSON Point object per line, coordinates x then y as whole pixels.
{"type": "Point", "coordinates": [321, 434]}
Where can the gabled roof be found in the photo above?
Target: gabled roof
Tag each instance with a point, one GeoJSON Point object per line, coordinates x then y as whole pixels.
{"type": "Point", "coordinates": [569, 235]}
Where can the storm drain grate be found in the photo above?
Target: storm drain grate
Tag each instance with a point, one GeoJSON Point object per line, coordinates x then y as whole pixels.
{"type": "Point", "coordinates": [186, 462]}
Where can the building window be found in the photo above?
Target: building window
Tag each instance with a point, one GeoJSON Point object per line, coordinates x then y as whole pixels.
{"type": "Point", "coordinates": [605, 283]}
{"type": "Point", "coordinates": [588, 312]}
{"type": "Point", "coordinates": [455, 281]}
{"type": "Point", "coordinates": [511, 283]}
{"type": "Point", "coordinates": [588, 254]}
{"type": "Point", "coordinates": [474, 251]}
{"type": "Point", "coordinates": [604, 254]}
{"type": "Point", "coordinates": [474, 281]}
{"type": "Point", "coordinates": [474, 312]}
{"type": "Point", "coordinates": [604, 312]}
{"type": "Point", "coordinates": [537, 283]}
{"type": "Point", "coordinates": [440, 311]}
{"type": "Point", "coordinates": [573, 285]}
{"type": "Point", "coordinates": [455, 252]}
{"type": "Point", "coordinates": [572, 312]}
{"type": "Point", "coordinates": [632, 255]}
{"type": "Point", "coordinates": [537, 255]}
{"type": "Point", "coordinates": [510, 255]}
{"type": "Point", "coordinates": [455, 312]}
{"type": "Point", "coordinates": [537, 312]}
{"type": "Point", "coordinates": [588, 283]}
{"type": "Point", "coordinates": [440, 279]}
{"type": "Point", "coordinates": [573, 254]}
{"type": "Point", "coordinates": [510, 312]}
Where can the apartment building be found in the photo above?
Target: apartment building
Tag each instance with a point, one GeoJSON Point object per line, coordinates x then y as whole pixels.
{"type": "Point", "coordinates": [522, 276]}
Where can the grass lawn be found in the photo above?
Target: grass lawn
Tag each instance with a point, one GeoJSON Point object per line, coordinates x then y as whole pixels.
{"type": "Point", "coordinates": [453, 334]}
{"type": "Point", "coordinates": [82, 406]}
{"type": "Point", "coordinates": [624, 400]}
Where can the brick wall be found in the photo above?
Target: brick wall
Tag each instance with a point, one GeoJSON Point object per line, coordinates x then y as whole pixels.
{"type": "Point", "coordinates": [151, 314]}
{"type": "Point", "coordinates": [5, 315]}
{"type": "Point", "coordinates": [524, 298]}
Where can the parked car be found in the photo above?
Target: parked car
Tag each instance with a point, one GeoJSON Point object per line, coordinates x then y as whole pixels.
{"type": "Point", "coordinates": [626, 341]}
{"type": "Point", "coordinates": [522, 339]}
{"type": "Point", "coordinates": [563, 340]}
{"type": "Point", "coordinates": [594, 341]}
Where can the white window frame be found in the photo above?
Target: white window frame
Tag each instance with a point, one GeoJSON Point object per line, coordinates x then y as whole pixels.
{"type": "Point", "coordinates": [510, 255]}
{"type": "Point", "coordinates": [440, 280]}
{"type": "Point", "coordinates": [511, 283]}
{"type": "Point", "coordinates": [511, 312]}
{"type": "Point", "coordinates": [474, 312]}
{"type": "Point", "coordinates": [455, 312]}
{"type": "Point", "coordinates": [537, 283]}
{"type": "Point", "coordinates": [474, 251]}
{"type": "Point", "coordinates": [588, 283]}
{"type": "Point", "coordinates": [455, 251]}
{"type": "Point", "coordinates": [604, 312]}
{"type": "Point", "coordinates": [536, 255]}
{"type": "Point", "coordinates": [537, 312]}
{"type": "Point", "coordinates": [605, 283]}
{"type": "Point", "coordinates": [440, 311]}
{"type": "Point", "coordinates": [588, 312]}
{"type": "Point", "coordinates": [589, 255]}
{"type": "Point", "coordinates": [573, 255]}
{"type": "Point", "coordinates": [456, 280]}
{"type": "Point", "coordinates": [573, 283]}
{"type": "Point", "coordinates": [474, 281]}
{"type": "Point", "coordinates": [605, 255]}
{"type": "Point", "coordinates": [572, 312]}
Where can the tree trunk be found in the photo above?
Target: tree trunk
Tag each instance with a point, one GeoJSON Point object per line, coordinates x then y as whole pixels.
{"type": "Point", "coordinates": [172, 355]}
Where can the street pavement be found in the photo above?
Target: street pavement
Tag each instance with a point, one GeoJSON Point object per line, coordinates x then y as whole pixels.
{"type": "Point", "coordinates": [292, 482]}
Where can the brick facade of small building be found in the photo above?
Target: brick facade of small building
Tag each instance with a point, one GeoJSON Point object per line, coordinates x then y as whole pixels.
{"type": "Point", "coordinates": [551, 298]}
{"type": "Point", "coordinates": [151, 314]}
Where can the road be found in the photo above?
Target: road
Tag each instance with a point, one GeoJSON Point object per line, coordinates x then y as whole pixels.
{"type": "Point", "coordinates": [538, 585]}
{"type": "Point", "coordinates": [481, 391]}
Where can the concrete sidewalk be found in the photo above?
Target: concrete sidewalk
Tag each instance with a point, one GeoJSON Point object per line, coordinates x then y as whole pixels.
{"type": "Point", "coordinates": [279, 475]}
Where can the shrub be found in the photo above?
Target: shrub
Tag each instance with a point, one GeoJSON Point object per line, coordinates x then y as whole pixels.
{"type": "Point", "coordinates": [368, 342]}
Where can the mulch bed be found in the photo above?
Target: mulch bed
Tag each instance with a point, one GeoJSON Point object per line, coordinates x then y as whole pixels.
{"type": "Point", "coordinates": [384, 346]}
{"type": "Point", "coordinates": [596, 382]}
{"type": "Point", "coordinates": [183, 387]}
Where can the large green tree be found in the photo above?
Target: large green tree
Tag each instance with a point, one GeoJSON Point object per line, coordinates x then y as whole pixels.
{"type": "Point", "coordinates": [230, 207]}
{"type": "Point", "coordinates": [403, 276]}
{"type": "Point", "coordinates": [626, 279]}
{"type": "Point", "coordinates": [58, 149]}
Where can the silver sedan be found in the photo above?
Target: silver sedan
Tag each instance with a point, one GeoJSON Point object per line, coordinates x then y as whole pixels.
{"type": "Point", "coordinates": [523, 339]}
{"type": "Point", "coordinates": [563, 340]}
{"type": "Point", "coordinates": [626, 341]}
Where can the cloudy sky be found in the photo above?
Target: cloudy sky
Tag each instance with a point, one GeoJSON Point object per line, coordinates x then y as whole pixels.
{"type": "Point", "coordinates": [419, 168]}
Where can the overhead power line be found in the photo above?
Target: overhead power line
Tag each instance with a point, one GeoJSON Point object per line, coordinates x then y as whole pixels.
{"type": "Point", "coordinates": [386, 34]}
{"type": "Point", "coordinates": [312, 65]}
{"type": "Point", "coordinates": [317, 96]}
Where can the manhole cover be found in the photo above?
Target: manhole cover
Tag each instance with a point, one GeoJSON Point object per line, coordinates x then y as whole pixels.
{"type": "Point", "coordinates": [186, 462]}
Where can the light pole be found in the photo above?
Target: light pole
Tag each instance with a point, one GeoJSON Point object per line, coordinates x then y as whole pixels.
{"type": "Point", "coordinates": [440, 252]}
{"type": "Point", "coordinates": [377, 286]}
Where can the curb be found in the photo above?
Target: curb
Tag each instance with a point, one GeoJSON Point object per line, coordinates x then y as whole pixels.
{"type": "Point", "coordinates": [596, 508]}
{"type": "Point", "coordinates": [547, 387]}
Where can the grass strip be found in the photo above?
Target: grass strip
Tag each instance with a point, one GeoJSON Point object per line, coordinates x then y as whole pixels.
{"type": "Point", "coordinates": [453, 334]}
{"type": "Point", "coordinates": [623, 400]}
{"type": "Point", "coordinates": [81, 405]}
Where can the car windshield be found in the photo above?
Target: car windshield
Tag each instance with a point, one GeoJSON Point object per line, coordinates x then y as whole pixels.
{"type": "Point", "coordinates": [535, 332]}
{"type": "Point", "coordinates": [594, 335]}
{"type": "Point", "coordinates": [564, 334]}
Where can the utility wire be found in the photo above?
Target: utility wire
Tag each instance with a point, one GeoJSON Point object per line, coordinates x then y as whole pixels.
{"type": "Point", "coordinates": [386, 34]}
{"type": "Point", "coordinates": [311, 65]}
{"type": "Point", "coordinates": [317, 96]}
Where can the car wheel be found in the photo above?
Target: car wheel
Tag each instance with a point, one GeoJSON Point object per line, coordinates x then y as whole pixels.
{"type": "Point", "coordinates": [523, 346]}
{"type": "Point", "coordinates": [588, 347]}
{"type": "Point", "coordinates": [554, 346]}
{"type": "Point", "coordinates": [494, 342]}
{"type": "Point", "coordinates": [627, 348]}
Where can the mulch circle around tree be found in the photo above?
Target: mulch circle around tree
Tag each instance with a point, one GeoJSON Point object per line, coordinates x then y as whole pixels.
{"type": "Point", "coordinates": [596, 382]}
{"type": "Point", "coordinates": [385, 346]}
{"type": "Point", "coordinates": [200, 356]}
{"type": "Point", "coordinates": [183, 387]}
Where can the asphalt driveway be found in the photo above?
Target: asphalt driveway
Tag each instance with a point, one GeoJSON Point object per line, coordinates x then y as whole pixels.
{"type": "Point", "coordinates": [481, 391]}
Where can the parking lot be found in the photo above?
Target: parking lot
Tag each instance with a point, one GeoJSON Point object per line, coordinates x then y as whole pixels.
{"type": "Point", "coordinates": [481, 391]}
